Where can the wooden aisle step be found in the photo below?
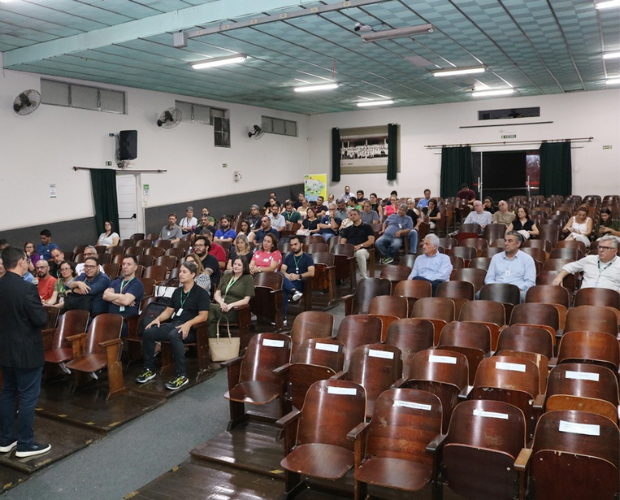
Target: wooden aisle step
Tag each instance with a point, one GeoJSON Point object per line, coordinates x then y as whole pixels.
{"type": "Point", "coordinates": [198, 480]}
{"type": "Point", "coordinates": [88, 408]}
{"type": "Point", "coordinates": [10, 478]}
{"type": "Point", "coordinates": [64, 438]}
{"type": "Point", "coordinates": [251, 446]}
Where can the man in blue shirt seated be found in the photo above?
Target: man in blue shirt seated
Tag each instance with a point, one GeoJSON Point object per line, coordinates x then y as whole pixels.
{"type": "Point", "coordinates": [258, 236]}
{"type": "Point", "coordinates": [394, 227]}
{"type": "Point", "coordinates": [512, 266]}
{"type": "Point", "coordinates": [225, 232]}
{"type": "Point", "coordinates": [423, 203]}
{"type": "Point", "coordinates": [431, 266]}
{"type": "Point", "coordinates": [295, 266]}
{"type": "Point", "coordinates": [330, 223]}
{"type": "Point", "coordinates": [126, 293]}
{"type": "Point", "coordinates": [92, 282]}
{"type": "Point", "coordinates": [44, 249]}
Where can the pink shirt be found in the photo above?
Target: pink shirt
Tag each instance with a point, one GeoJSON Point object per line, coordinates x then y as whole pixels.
{"type": "Point", "coordinates": [264, 259]}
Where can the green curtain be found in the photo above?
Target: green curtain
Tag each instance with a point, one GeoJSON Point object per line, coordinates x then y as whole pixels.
{"type": "Point", "coordinates": [555, 169]}
{"type": "Point", "coordinates": [335, 154]}
{"type": "Point", "coordinates": [392, 139]}
{"type": "Point", "coordinates": [456, 169]}
{"type": "Point", "coordinates": [104, 197]}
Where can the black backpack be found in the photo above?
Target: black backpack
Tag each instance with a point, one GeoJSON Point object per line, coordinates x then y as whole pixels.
{"type": "Point", "coordinates": [151, 312]}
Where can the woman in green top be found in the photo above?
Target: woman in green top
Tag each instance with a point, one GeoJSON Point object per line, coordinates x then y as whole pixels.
{"type": "Point", "coordinates": [67, 274]}
{"type": "Point", "coordinates": [235, 289]}
{"type": "Point", "coordinates": [607, 225]}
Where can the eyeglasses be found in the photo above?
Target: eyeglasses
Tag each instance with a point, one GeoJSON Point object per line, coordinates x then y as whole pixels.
{"type": "Point", "coordinates": [88, 266]}
{"type": "Point", "coordinates": [606, 248]}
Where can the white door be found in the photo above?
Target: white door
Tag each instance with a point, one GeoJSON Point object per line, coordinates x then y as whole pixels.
{"type": "Point", "coordinates": [130, 210]}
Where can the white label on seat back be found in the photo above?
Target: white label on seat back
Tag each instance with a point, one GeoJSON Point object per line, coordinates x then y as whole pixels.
{"type": "Point", "coordinates": [273, 343]}
{"type": "Point", "coordinates": [583, 376]}
{"type": "Point", "coordinates": [573, 428]}
{"type": "Point", "coordinates": [374, 353]}
{"type": "Point", "coordinates": [490, 414]}
{"type": "Point", "coordinates": [345, 391]}
{"type": "Point", "coordinates": [326, 347]}
{"type": "Point", "coordinates": [449, 360]}
{"type": "Point", "coordinates": [513, 367]}
{"type": "Point", "coordinates": [416, 406]}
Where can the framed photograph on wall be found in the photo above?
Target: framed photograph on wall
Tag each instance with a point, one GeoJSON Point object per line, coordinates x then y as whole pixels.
{"type": "Point", "coordinates": [364, 150]}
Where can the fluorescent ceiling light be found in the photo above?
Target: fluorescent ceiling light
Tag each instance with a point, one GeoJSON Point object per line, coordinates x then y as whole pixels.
{"type": "Point", "coordinates": [398, 33]}
{"type": "Point", "coordinates": [607, 5]}
{"type": "Point", "coordinates": [314, 88]}
{"type": "Point", "coordinates": [219, 61]}
{"type": "Point", "coordinates": [611, 55]}
{"type": "Point", "coordinates": [613, 81]}
{"type": "Point", "coordinates": [366, 104]}
{"type": "Point", "coordinates": [485, 93]}
{"type": "Point", "coordinates": [459, 71]}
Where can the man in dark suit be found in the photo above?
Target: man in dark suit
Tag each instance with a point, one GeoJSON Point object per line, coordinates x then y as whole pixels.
{"type": "Point", "coordinates": [21, 356]}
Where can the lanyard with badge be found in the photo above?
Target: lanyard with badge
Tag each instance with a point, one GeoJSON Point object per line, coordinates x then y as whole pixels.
{"type": "Point", "coordinates": [182, 300]}
{"type": "Point", "coordinates": [600, 271]}
{"type": "Point", "coordinates": [297, 261]}
{"type": "Point", "coordinates": [123, 285]}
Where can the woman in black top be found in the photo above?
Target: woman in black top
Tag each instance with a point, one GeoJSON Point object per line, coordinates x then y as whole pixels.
{"type": "Point", "coordinates": [311, 222]}
{"type": "Point", "coordinates": [489, 206]}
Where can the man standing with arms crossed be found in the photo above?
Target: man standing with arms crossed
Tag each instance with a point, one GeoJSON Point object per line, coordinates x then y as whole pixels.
{"type": "Point", "coordinates": [21, 356]}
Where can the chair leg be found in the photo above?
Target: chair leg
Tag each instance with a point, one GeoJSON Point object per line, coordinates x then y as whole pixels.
{"type": "Point", "coordinates": [293, 485]}
{"type": "Point", "coordinates": [115, 373]}
{"type": "Point", "coordinates": [237, 414]}
{"type": "Point", "coordinates": [360, 490]}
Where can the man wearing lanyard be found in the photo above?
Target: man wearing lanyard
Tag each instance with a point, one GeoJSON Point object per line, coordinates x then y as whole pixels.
{"type": "Point", "coordinates": [125, 294]}
{"type": "Point", "coordinates": [599, 271]}
{"type": "Point", "coordinates": [295, 266]}
{"type": "Point", "coordinates": [512, 266]}
{"type": "Point", "coordinates": [189, 306]}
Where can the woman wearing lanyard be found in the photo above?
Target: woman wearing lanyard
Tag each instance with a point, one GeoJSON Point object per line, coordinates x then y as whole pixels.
{"type": "Point", "coordinates": [267, 259]}
{"type": "Point", "coordinates": [236, 289]}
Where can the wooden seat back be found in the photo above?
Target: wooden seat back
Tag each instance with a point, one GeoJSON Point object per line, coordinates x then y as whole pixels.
{"type": "Point", "coordinates": [594, 347]}
{"type": "Point", "coordinates": [535, 313]}
{"type": "Point", "coordinates": [158, 273]}
{"type": "Point", "coordinates": [389, 305]}
{"type": "Point", "coordinates": [410, 335]}
{"type": "Point", "coordinates": [456, 290]}
{"type": "Point", "coordinates": [168, 261]}
{"type": "Point", "coordinates": [311, 325]}
{"type": "Point", "coordinates": [527, 338]}
{"type": "Point", "coordinates": [494, 232]}
{"type": "Point", "coordinates": [265, 352]}
{"type": "Point", "coordinates": [602, 297]}
{"type": "Point", "coordinates": [111, 270]}
{"type": "Point", "coordinates": [367, 289]}
{"type": "Point", "coordinates": [103, 327]}
{"type": "Point", "coordinates": [326, 352]}
{"type": "Point", "coordinates": [395, 273]}
{"type": "Point", "coordinates": [357, 330]}
{"type": "Point", "coordinates": [501, 292]}
{"type": "Point", "coordinates": [560, 444]}
{"type": "Point", "coordinates": [71, 323]}
{"type": "Point", "coordinates": [155, 251]}
{"type": "Point", "coordinates": [52, 316]}
{"type": "Point", "coordinates": [474, 276]}
{"type": "Point", "coordinates": [437, 309]}
{"type": "Point", "coordinates": [317, 247]}
{"type": "Point", "coordinates": [549, 294]}
{"type": "Point", "coordinates": [480, 263]}
{"type": "Point", "coordinates": [592, 319]}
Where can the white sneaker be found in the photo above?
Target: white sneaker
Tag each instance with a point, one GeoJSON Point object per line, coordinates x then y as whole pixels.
{"type": "Point", "coordinates": [284, 323]}
{"type": "Point", "coordinates": [8, 447]}
{"type": "Point", "coordinates": [253, 318]}
{"type": "Point", "coordinates": [297, 296]}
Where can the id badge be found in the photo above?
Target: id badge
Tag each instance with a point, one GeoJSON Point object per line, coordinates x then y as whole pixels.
{"type": "Point", "coordinates": [121, 309]}
{"type": "Point", "coordinates": [179, 312]}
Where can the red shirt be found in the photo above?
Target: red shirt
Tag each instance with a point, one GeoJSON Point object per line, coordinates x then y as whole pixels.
{"type": "Point", "coordinates": [218, 252]}
{"type": "Point", "coordinates": [46, 287]}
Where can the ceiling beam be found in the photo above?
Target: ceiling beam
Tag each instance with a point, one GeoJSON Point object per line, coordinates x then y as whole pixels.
{"type": "Point", "coordinates": [143, 28]}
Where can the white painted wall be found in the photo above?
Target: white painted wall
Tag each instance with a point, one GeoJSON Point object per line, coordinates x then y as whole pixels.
{"type": "Point", "coordinates": [587, 114]}
{"type": "Point", "coordinates": [40, 149]}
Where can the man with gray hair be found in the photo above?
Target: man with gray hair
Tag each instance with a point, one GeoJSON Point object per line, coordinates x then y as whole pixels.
{"type": "Point", "coordinates": [503, 216]}
{"type": "Point", "coordinates": [89, 251]}
{"type": "Point", "coordinates": [599, 271]}
{"type": "Point", "coordinates": [512, 266]}
{"type": "Point", "coordinates": [394, 228]}
{"type": "Point", "coordinates": [431, 266]}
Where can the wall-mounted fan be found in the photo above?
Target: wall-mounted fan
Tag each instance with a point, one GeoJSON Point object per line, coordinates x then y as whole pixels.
{"type": "Point", "coordinates": [26, 102]}
{"type": "Point", "coordinates": [256, 132]}
{"type": "Point", "coordinates": [170, 118]}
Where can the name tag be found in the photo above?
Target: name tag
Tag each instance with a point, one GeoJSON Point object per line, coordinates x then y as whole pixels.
{"type": "Point", "coordinates": [583, 376]}
{"type": "Point", "coordinates": [415, 406]}
{"type": "Point", "coordinates": [586, 429]}
{"type": "Point", "coordinates": [327, 347]}
{"type": "Point", "coordinates": [273, 343]}
{"type": "Point", "coordinates": [343, 391]}
{"type": "Point", "coordinates": [374, 353]}
{"type": "Point", "coordinates": [513, 367]}
{"type": "Point", "coordinates": [490, 414]}
{"type": "Point", "coordinates": [449, 360]}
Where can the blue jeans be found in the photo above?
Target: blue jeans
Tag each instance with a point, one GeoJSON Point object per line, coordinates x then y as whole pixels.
{"type": "Point", "coordinates": [434, 283]}
{"type": "Point", "coordinates": [287, 287]}
{"type": "Point", "coordinates": [327, 236]}
{"type": "Point", "coordinates": [170, 333]}
{"type": "Point", "coordinates": [27, 383]}
{"type": "Point", "coordinates": [413, 241]}
{"type": "Point", "coordinates": [388, 246]}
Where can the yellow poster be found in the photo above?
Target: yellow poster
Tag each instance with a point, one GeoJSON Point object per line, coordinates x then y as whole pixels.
{"type": "Point", "coordinates": [315, 185]}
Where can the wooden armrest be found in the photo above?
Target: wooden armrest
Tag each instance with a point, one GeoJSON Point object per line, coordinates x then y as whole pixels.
{"type": "Point", "coordinates": [339, 376]}
{"type": "Point", "coordinates": [357, 431]}
{"type": "Point", "coordinates": [242, 307]}
{"type": "Point", "coordinates": [539, 402]}
{"type": "Point", "coordinates": [552, 362]}
{"type": "Point", "coordinates": [523, 459]}
{"type": "Point", "coordinates": [231, 362]}
{"type": "Point", "coordinates": [288, 419]}
{"type": "Point", "coordinates": [48, 331]}
{"type": "Point", "coordinates": [436, 443]}
{"type": "Point", "coordinates": [77, 336]}
{"type": "Point", "coordinates": [281, 370]}
{"type": "Point", "coordinates": [348, 304]}
{"type": "Point", "coordinates": [398, 383]}
{"type": "Point", "coordinates": [464, 394]}
{"type": "Point", "coordinates": [109, 343]}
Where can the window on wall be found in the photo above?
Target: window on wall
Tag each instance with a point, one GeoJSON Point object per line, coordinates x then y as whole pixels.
{"type": "Point", "coordinates": [58, 93]}
{"type": "Point", "coordinates": [221, 127]}
{"type": "Point", "coordinates": [278, 126]}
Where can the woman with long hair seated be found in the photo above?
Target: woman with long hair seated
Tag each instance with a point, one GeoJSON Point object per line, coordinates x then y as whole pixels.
{"type": "Point", "coordinates": [579, 226]}
{"type": "Point", "coordinates": [607, 224]}
{"type": "Point", "coordinates": [311, 222]}
{"type": "Point", "coordinates": [268, 258]}
{"type": "Point", "coordinates": [67, 275]}
{"type": "Point", "coordinates": [303, 209]}
{"type": "Point", "coordinates": [202, 279]}
{"type": "Point", "coordinates": [108, 238]}
{"type": "Point", "coordinates": [240, 248]}
{"type": "Point", "coordinates": [31, 255]}
{"type": "Point", "coordinates": [525, 226]}
{"type": "Point", "coordinates": [434, 215]}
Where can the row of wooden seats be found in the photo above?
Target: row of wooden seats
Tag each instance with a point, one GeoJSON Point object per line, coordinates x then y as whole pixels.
{"type": "Point", "coordinates": [483, 454]}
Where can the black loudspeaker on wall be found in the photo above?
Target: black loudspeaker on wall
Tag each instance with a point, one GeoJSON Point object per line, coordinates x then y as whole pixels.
{"type": "Point", "coordinates": [128, 145]}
